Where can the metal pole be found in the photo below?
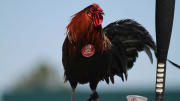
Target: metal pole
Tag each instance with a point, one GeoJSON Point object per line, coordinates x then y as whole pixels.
{"type": "Point", "coordinates": [164, 22]}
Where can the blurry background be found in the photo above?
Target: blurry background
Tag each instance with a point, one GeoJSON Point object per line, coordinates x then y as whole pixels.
{"type": "Point", "coordinates": [31, 37]}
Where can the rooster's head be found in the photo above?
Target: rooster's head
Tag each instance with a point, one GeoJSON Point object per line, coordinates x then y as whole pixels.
{"type": "Point", "coordinates": [96, 14]}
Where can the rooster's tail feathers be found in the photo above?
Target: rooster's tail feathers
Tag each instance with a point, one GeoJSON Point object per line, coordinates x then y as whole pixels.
{"type": "Point", "coordinates": [128, 38]}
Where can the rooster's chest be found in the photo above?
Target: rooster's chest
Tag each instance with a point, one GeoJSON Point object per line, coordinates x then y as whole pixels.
{"type": "Point", "coordinates": [84, 69]}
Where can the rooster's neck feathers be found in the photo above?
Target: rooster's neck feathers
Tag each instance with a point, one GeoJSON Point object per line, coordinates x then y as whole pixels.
{"type": "Point", "coordinates": [81, 31]}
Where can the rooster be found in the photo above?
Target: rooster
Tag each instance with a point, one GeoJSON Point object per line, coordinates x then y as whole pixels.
{"type": "Point", "coordinates": [91, 53]}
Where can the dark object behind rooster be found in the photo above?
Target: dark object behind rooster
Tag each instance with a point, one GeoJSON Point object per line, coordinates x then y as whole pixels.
{"type": "Point", "coordinates": [92, 54]}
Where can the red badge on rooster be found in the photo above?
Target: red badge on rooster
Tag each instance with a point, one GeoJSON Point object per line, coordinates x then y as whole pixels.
{"type": "Point", "coordinates": [88, 50]}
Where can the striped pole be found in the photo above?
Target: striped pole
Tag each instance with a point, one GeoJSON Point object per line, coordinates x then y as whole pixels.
{"type": "Point", "coordinates": [164, 22]}
{"type": "Point", "coordinates": [160, 81]}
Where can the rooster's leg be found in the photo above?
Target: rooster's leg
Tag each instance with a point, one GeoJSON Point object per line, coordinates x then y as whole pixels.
{"type": "Point", "coordinates": [94, 96]}
{"type": "Point", "coordinates": [73, 86]}
{"type": "Point", "coordinates": [73, 95]}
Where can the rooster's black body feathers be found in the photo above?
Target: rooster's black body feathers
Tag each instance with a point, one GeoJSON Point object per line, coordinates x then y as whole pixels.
{"type": "Point", "coordinates": [127, 39]}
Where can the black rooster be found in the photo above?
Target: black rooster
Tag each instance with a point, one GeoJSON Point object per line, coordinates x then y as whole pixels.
{"type": "Point", "coordinates": [92, 54]}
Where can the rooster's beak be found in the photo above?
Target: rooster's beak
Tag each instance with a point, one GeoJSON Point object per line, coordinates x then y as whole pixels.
{"type": "Point", "coordinates": [102, 13]}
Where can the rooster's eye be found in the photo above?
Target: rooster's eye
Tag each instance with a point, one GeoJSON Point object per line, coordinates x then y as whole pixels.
{"type": "Point", "coordinates": [92, 11]}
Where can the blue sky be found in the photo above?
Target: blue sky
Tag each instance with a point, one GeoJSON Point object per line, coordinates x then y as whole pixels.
{"type": "Point", "coordinates": [31, 30]}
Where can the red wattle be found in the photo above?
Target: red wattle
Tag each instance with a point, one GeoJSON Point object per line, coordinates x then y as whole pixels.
{"type": "Point", "coordinates": [98, 19]}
